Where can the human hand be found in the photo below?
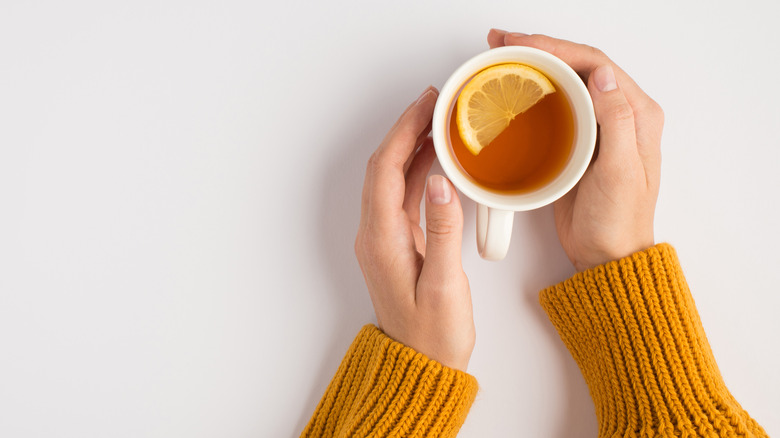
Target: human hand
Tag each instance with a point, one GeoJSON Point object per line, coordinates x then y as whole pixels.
{"type": "Point", "coordinates": [420, 293]}
{"type": "Point", "coordinates": [609, 213]}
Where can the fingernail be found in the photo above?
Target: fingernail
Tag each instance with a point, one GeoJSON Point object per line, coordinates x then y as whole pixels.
{"type": "Point", "coordinates": [501, 31]}
{"type": "Point", "coordinates": [517, 34]}
{"type": "Point", "coordinates": [438, 190]}
{"type": "Point", "coordinates": [604, 78]}
{"type": "Point", "coordinates": [425, 94]}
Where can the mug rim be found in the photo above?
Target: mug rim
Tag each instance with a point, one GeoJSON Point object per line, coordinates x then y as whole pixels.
{"type": "Point", "coordinates": [584, 130]}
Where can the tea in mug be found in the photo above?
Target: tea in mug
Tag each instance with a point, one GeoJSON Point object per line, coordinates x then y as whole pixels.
{"type": "Point", "coordinates": [528, 154]}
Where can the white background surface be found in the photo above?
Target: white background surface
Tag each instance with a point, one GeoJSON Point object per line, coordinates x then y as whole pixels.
{"type": "Point", "coordinates": [179, 194]}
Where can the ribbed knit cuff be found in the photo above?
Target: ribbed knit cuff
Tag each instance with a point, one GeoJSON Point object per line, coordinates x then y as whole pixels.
{"type": "Point", "coordinates": [383, 388]}
{"type": "Point", "coordinates": [634, 331]}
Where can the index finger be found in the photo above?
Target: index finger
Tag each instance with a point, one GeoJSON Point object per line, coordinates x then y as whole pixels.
{"type": "Point", "coordinates": [584, 60]}
{"type": "Point", "coordinates": [384, 187]}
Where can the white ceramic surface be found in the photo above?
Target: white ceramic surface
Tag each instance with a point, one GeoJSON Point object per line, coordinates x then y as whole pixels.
{"type": "Point", "coordinates": [494, 214]}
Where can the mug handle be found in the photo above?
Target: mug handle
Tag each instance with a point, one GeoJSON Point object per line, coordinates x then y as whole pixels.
{"type": "Point", "coordinates": [494, 231]}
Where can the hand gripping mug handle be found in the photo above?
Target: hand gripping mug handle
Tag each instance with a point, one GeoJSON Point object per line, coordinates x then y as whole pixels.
{"type": "Point", "coordinates": [494, 231]}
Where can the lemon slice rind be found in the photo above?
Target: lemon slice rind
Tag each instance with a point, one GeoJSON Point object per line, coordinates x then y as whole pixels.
{"type": "Point", "coordinates": [493, 98]}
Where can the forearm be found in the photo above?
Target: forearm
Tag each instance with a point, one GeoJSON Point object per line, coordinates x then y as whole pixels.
{"type": "Point", "coordinates": [383, 388]}
{"type": "Point", "coordinates": [633, 328]}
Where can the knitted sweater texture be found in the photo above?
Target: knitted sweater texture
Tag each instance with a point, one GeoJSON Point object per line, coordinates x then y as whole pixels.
{"type": "Point", "coordinates": [632, 328]}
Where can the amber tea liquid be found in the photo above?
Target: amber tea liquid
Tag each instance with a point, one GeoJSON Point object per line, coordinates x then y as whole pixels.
{"type": "Point", "coordinates": [530, 153]}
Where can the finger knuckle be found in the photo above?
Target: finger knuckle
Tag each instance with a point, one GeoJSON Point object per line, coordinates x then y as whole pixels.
{"type": "Point", "coordinates": [651, 115]}
{"type": "Point", "coordinates": [538, 39]}
{"type": "Point", "coordinates": [657, 111]}
{"type": "Point", "coordinates": [543, 42]}
{"type": "Point", "coordinates": [362, 250]}
{"type": "Point", "coordinates": [621, 112]}
{"type": "Point", "coordinates": [374, 164]}
{"type": "Point", "coordinates": [365, 244]}
{"type": "Point", "coordinates": [595, 52]}
{"type": "Point", "coordinates": [439, 226]}
{"type": "Point", "coordinates": [358, 244]}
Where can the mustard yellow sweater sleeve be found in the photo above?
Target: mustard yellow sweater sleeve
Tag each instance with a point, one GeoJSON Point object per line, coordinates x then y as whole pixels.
{"type": "Point", "coordinates": [634, 331]}
{"type": "Point", "coordinates": [385, 389]}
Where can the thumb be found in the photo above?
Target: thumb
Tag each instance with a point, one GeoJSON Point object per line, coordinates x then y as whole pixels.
{"type": "Point", "coordinates": [444, 221]}
{"type": "Point", "coordinates": [615, 116]}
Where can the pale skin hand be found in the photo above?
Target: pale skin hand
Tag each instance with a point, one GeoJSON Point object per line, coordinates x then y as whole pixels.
{"type": "Point", "coordinates": [609, 214]}
{"type": "Point", "coordinates": [420, 293]}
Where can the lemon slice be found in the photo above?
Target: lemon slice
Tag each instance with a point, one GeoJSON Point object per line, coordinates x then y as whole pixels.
{"type": "Point", "coordinates": [493, 98]}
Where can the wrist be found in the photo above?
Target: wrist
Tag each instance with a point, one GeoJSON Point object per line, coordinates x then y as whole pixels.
{"type": "Point", "coordinates": [594, 258]}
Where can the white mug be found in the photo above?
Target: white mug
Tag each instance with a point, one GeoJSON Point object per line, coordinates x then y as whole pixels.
{"type": "Point", "coordinates": [495, 211]}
